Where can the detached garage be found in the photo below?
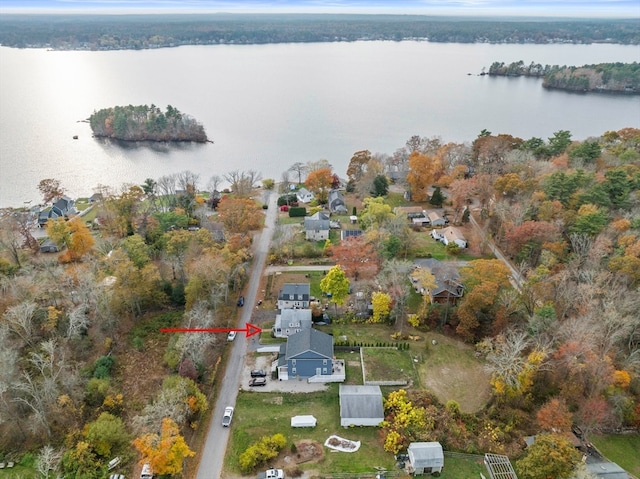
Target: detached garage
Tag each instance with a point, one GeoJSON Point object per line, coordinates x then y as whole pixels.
{"type": "Point", "coordinates": [361, 406]}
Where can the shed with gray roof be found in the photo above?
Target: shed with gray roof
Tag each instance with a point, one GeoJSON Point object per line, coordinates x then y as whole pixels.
{"type": "Point", "coordinates": [360, 406]}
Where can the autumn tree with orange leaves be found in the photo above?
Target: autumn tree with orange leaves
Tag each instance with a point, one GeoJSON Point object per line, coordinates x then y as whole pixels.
{"type": "Point", "coordinates": [424, 170]}
{"type": "Point", "coordinates": [319, 182]}
{"type": "Point", "coordinates": [358, 257]}
{"type": "Point", "coordinates": [72, 234]}
{"type": "Point", "coordinates": [165, 452]}
{"type": "Point", "coordinates": [483, 280]}
{"type": "Point", "coordinates": [240, 215]}
{"type": "Point", "coordinates": [554, 416]}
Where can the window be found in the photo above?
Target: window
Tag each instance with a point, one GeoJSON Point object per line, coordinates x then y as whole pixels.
{"type": "Point", "coordinates": [324, 362]}
{"type": "Point", "coordinates": [293, 362]}
{"type": "Point", "coordinates": [293, 370]}
{"type": "Point", "coordinates": [324, 370]}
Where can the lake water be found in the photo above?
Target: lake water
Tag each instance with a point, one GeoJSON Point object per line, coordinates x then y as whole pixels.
{"type": "Point", "coordinates": [269, 106]}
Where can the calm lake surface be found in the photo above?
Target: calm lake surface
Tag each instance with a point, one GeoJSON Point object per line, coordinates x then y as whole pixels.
{"type": "Point", "coordinates": [269, 106]}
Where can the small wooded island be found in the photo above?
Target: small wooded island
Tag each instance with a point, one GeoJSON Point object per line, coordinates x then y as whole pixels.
{"type": "Point", "coordinates": [146, 123]}
{"type": "Point", "coordinates": [600, 78]}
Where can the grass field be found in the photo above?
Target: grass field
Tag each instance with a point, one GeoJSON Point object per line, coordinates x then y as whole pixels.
{"type": "Point", "coordinates": [450, 370]}
{"type": "Point", "coordinates": [260, 414]}
{"type": "Point", "coordinates": [462, 468]}
{"type": "Point", "coordinates": [388, 364]}
{"type": "Point", "coordinates": [623, 449]}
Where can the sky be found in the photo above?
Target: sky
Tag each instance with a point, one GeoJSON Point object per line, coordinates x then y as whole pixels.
{"type": "Point", "coordinates": [556, 8]}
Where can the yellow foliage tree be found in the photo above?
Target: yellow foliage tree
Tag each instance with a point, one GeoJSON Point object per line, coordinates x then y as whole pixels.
{"type": "Point", "coordinates": [165, 452]}
{"type": "Point", "coordinates": [621, 379]}
{"type": "Point", "coordinates": [425, 281]}
{"type": "Point", "coordinates": [381, 306]}
{"type": "Point", "coordinates": [508, 185]}
{"type": "Point", "coordinates": [72, 234]}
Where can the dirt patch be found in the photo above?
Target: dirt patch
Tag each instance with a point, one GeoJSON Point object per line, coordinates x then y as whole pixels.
{"type": "Point", "coordinates": [306, 451]}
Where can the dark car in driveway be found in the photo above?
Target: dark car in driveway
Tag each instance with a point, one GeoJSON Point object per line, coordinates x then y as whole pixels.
{"type": "Point", "coordinates": [258, 382]}
{"type": "Point", "coordinates": [258, 373]}
{"type": "Point", "coordinates": [240, 301]}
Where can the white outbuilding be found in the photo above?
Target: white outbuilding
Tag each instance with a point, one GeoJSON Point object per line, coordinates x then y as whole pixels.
{"type": "Point", "coordinates": [425, 457]}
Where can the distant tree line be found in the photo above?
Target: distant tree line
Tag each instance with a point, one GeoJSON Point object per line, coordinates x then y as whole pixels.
{"type": "Point", "coordinates": [603, 77]}
{"type": "Point", "coordinates": [146, 123]}
{"type": "Point", "coordinates": [125, 32]}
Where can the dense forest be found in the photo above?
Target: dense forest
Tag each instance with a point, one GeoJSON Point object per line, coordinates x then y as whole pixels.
{"type": "Point", "coordinates": [86, 375]}
{"type": "Point", "coordinates": [120, 32]}
{"type": "Point", "coordinates": [146, 123]}
{"type": "Point", "coordinates": [603, 77]}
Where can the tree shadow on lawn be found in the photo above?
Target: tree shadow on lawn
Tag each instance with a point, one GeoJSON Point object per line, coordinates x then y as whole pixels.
{"type": "Point", "coordinates": [451, 371]}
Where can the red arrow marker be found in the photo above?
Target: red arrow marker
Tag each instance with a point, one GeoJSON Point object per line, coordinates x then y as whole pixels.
{"type": "Point", "coordinates": [249, 330]}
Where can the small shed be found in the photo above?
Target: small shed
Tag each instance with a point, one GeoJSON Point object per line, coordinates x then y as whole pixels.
{"type": "Point", "coordinates": [303, 421]}
{"type": "Point", "coordinates": [48, 246]}
{"type": "Point", "coordinates": [426, 457]}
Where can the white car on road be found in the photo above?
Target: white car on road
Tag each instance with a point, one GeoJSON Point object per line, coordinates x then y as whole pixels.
{"type": "Point", "coordinates": [226, 418]}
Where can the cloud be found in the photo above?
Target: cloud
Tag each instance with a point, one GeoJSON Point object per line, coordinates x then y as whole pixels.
{"type": "Point", "coordinates": [577, 8]}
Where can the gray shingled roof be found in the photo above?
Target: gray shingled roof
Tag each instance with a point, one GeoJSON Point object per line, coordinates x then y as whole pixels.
{"type": "Point", "coordinates": [318, 221]}
{"type": "Point", "coordinates": [309, 340]}
{"type": "Point", "coordinates": [361, 402]}
{"type": "Point", "coordinates": [296, 289]}
{"type": "Point", "coordinates": [607, 470]}
{"type": "Point", "coordinates": [446, 276]}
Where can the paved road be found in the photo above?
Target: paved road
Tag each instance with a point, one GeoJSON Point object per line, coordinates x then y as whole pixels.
{"type": "Point", "coordinates": [217, 437]}
{"type": "Point", "coordinates": [516, 277]}
{"type": "Point", "coordinates": [276, 269]}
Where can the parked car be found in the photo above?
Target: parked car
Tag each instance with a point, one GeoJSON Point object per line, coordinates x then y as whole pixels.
{"type": "Point", "coordinates": [258, 373]}
{"type": "Point", "coordinates": [258, 382]}
{"type": "Point", "coordinates": [240, 301]}
{"type": "Point", "coordinates": [271, 474]}
{"type": "Point", "coordinates": [231, 336]}
{"type": "Point", "coordinates": [226, 418]}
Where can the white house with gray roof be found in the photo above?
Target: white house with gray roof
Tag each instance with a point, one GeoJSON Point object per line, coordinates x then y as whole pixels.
{"type": "Point", "coordinates": [316, 227]}
{"type": "Point", "coordinates": [291, 321]}
{"type": "Point", "coordinates": [304, 195]}
{"type": "Point", "coordinates": [294, 295]}
{"type": "Point", "coordinates": [360, 406]}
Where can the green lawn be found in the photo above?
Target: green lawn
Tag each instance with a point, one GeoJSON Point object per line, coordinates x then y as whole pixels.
{"type": "Point", "coordinates": [260, 414]}
{"type": "Point", "coordinates": [621, 449]}
{"type": "Point", "coordinates": [462, 468]}
{"type": "Point", "coordinates": [388, 364]}
{"type": "Point", "coordinates": [448, 369]}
